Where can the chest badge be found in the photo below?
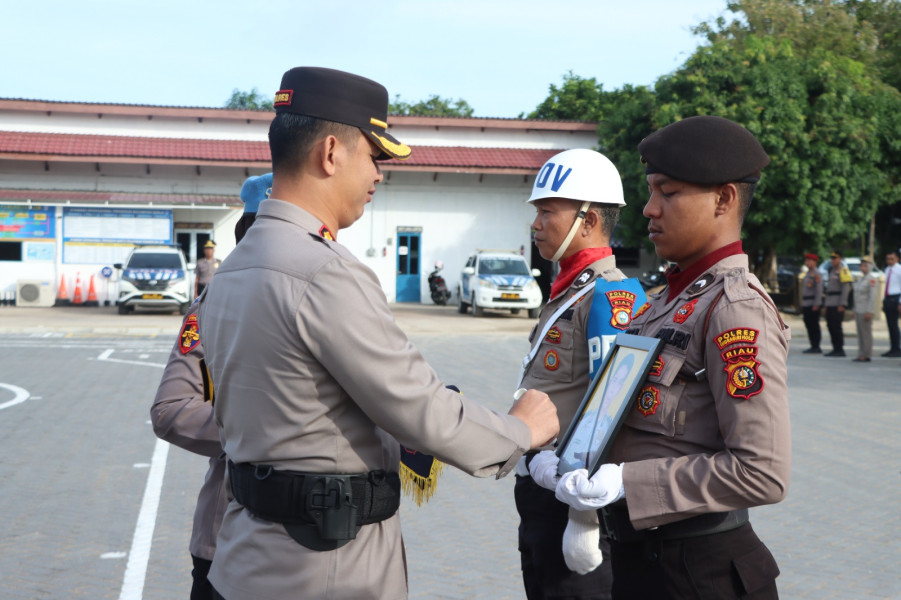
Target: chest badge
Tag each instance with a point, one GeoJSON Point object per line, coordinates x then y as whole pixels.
{"type": "Point", "coordinates": [551, 360]}
{"type": "Point", "coordinates": [700, 284]}
{"type": "Point", "coordinates": [621, 305]}
{"type": "Point", "coordinates": [554, 336]}
{"type": "Point", "coordinates": [657, 367]}
{"type": "Point", "coordinates": [326, 234]}
{"type": "Point", "coordinates": [685, 311]}
{"type": "Point", "coordinates": [189, 336]}
{"type": "Point", "coordinates": [648, 400]}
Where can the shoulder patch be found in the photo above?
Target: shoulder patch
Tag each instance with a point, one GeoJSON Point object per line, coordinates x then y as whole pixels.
{"type": "Point", "coordinates": [189, 336]}
{"type": "Point", "coordinates": [621, 304]}
{"type": "Point", "coordinates": [743, 378]}
{"type": "Point", "coordinates": [737, 335]}
{"type": "Point", "coordinates": [584, 278]}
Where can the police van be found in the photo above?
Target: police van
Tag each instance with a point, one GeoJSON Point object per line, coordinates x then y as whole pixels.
{"type": "Point", "coordinates": [499, 280]}
{"type": "Point", "coordinates": [154, 276]}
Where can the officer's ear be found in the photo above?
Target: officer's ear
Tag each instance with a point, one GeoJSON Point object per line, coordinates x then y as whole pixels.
{"type": "Point", "coordinates": [726, 199]}
{"type": "Point", "coordinates": [323, 154]}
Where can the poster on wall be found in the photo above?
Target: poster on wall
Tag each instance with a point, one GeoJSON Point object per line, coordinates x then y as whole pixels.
{"type": "Point", "coordinates": [27, 223]}
{"type": "Point", "coordinates": [107, 235]}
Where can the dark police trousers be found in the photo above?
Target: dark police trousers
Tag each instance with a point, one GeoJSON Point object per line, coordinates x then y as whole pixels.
{"type": "Point", "coordinates": [890, 308]}
{"type": "Point", "coordinates": [834, 323]}
{"type": "Point", "coordinates": [812, 323]}
{"type": "Point", "coordinates": [733, 564]}
{"type": "Point", "coordinates": [545, 575]}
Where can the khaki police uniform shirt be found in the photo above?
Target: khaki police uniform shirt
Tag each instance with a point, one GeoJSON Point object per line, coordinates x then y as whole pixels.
{"type": "Point", "coordinates": [812, 289]}
{"type": "Point", "coordinates": [566, 381]}
{"type": "Point", "coordinates": [719, 440]}
{"type": "Point", "coordinates": [180, 416]}
{"type": "Point", "coordinates": [312, 374]}
{"type": "Point", "coordinates": [866, 296]}
{"type": "Point", "coordinates": [205, 269]}
{"type": "Point", "coordinates": [838, 286]}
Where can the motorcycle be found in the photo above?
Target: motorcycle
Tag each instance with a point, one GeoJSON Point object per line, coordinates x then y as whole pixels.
{"type": "Point", "coordinates": [437, 286]}
{"type": "Point", "coordinates": [653, 281]}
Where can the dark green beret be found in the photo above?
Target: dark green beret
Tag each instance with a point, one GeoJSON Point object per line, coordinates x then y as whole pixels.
{"type": "Point", "coordinates": [706, 150]}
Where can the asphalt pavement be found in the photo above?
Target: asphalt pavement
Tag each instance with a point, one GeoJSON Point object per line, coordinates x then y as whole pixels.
{"type": "Point", "coordinates": [95, 507]}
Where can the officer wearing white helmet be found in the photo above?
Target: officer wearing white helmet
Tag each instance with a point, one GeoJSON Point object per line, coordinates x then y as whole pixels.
{"type": "Point", "coordinates": [577, 197]}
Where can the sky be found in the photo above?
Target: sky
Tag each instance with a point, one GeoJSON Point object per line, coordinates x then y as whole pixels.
{"type": "Point", "coordinates": [501, 57]}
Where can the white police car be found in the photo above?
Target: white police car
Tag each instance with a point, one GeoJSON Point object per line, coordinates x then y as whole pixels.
{"type": "Point", "coordinates": [154, 277]}
{"type": "Point", "coordinates": [502, 280]}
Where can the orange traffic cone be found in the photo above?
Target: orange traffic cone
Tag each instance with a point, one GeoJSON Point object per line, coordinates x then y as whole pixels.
{"type": "Point", "coordinates": [92, 295]}
{"type": "Point", "coordinates": [62, 296]}
{"type": "Point", "coordinates": [76, 299]}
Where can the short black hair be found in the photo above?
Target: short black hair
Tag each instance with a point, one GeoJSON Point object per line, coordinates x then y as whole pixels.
{"type": "Point", "coordinates": [609, 217]}
{"type": "Point", "coordinates": [745, 195]}
{"type": "Point", "coordinates": [291, 137]}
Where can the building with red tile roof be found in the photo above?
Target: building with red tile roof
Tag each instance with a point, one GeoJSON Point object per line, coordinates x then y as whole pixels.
{"type": "Point", "coordinates": [67, 169]}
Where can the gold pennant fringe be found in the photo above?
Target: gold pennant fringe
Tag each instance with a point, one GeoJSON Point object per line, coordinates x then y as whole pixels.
{"type": "Point", "coordinates": [417, 487]}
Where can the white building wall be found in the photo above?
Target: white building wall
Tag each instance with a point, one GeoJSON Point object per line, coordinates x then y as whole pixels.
{"type": "Point", "coordinates": [457, 217]}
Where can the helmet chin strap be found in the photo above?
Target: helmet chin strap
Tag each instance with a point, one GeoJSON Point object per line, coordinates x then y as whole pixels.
{"type": "Point", "coordinates": [572, 232]}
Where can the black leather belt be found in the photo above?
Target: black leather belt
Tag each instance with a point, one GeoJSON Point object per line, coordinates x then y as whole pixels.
{"type": "Point", "coordinates": [615, 524]}
{"type": "Point", "coordinates": [807, 297]}
{"type": "Point", "coordinates": [833, 293]}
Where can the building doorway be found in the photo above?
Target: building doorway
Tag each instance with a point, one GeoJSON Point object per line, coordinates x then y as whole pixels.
{"type": "Point", "coordinates": [408, 264]}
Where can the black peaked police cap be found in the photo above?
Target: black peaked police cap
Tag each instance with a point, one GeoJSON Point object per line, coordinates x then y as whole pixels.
{"type": "Point", "coordinates": [341, 97]}
{"type": "Point", "coordinates": [705, 150]}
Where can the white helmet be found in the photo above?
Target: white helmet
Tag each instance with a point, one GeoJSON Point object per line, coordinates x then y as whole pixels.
{"type": "Point", "coordinates": [579, 174]}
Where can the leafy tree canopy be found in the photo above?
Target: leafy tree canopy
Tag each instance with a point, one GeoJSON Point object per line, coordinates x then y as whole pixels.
{"type": "Point", "coordinates": [251, 100]}
{"type": "Point", "coordinates": [434, 106]}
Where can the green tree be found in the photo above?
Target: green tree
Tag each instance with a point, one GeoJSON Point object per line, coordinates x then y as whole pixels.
{"type": "Point", "coordinates": [434, 106]}
{"type": "Point", "coordinates": [251, 100]}
{"type": "Point", "coordinates": [576, 99]}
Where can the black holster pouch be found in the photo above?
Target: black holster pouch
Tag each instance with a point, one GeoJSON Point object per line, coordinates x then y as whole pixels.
{"type": "Point", "coordinates": [321, 511]}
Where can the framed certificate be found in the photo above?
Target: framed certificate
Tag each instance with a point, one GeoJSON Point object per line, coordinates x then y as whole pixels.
{"type": "Point", "coordinates": [613, 390]}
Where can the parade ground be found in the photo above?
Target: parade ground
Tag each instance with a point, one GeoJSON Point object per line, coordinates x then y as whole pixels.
{"type": "Point", "coordinates": [95, 507]}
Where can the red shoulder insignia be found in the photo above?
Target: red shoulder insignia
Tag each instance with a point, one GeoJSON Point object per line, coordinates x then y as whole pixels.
{"type": "Point", "coordinates": [648, 400]}
{"type": "Point", "coordinates": [621, 303]}
{"type": "Point", "coordinates": [189, 336]}
{"type": "Point", "coordinates": [657, 367]}
{"type": "Point", "coordinates": [644, 308]}
{"type": "Point", "coordinates": [326, 234]}
{"type": "Point", "coordinates": [743, 379]}
{"type": "Point", "coordinates": [685, 311]}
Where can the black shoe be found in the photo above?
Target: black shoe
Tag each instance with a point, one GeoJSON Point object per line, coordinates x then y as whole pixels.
{"type": "Point", "coordinates": [858, 359]}
{"type": "Point", "coordinates": [835, 353]}
{"type": "Point", "coordinates": [812, 351]}
{"type": "Point", "coordinates": [892, 354]}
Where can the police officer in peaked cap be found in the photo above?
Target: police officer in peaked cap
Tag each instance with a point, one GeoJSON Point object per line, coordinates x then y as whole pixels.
{"type": "Point", "coordinates": [315, 383]}
{"type": "Point", "coordinates": [709, 435]}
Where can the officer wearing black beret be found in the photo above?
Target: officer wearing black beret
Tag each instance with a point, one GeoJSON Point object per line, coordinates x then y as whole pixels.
{"type": "Point", "coordinates": [314, 381]}
{"type": "Point", "coordinates": [709, 435]}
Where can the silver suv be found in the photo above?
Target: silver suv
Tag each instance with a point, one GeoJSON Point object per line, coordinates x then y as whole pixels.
{"type": "Point", "coordinates": [154, 277]}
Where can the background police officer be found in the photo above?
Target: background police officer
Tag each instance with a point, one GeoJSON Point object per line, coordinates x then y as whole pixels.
{"type": "Point", "coordinates": [838, 291]}
{"type": "Point", "coordinates": [206, 267]}
{"type": "Point", "coordinates": [811, 301]}
{"type": "Point", "coordinates": [709, 436]}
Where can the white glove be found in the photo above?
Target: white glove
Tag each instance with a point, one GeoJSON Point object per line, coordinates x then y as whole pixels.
{"type": "Point", "coordinates": [543, 468]}
{"type": "Point", "coordinates": [580, 492]}
{"type": "Point", "coordinates": [581, 542]}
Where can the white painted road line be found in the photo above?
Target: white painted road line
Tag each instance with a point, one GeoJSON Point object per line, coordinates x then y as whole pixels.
{"type": "Point", "coordinates": [21, 395]}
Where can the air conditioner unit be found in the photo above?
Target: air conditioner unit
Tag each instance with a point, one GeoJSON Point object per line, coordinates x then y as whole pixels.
{"type": "Point", "coordinates": [32, 292]}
